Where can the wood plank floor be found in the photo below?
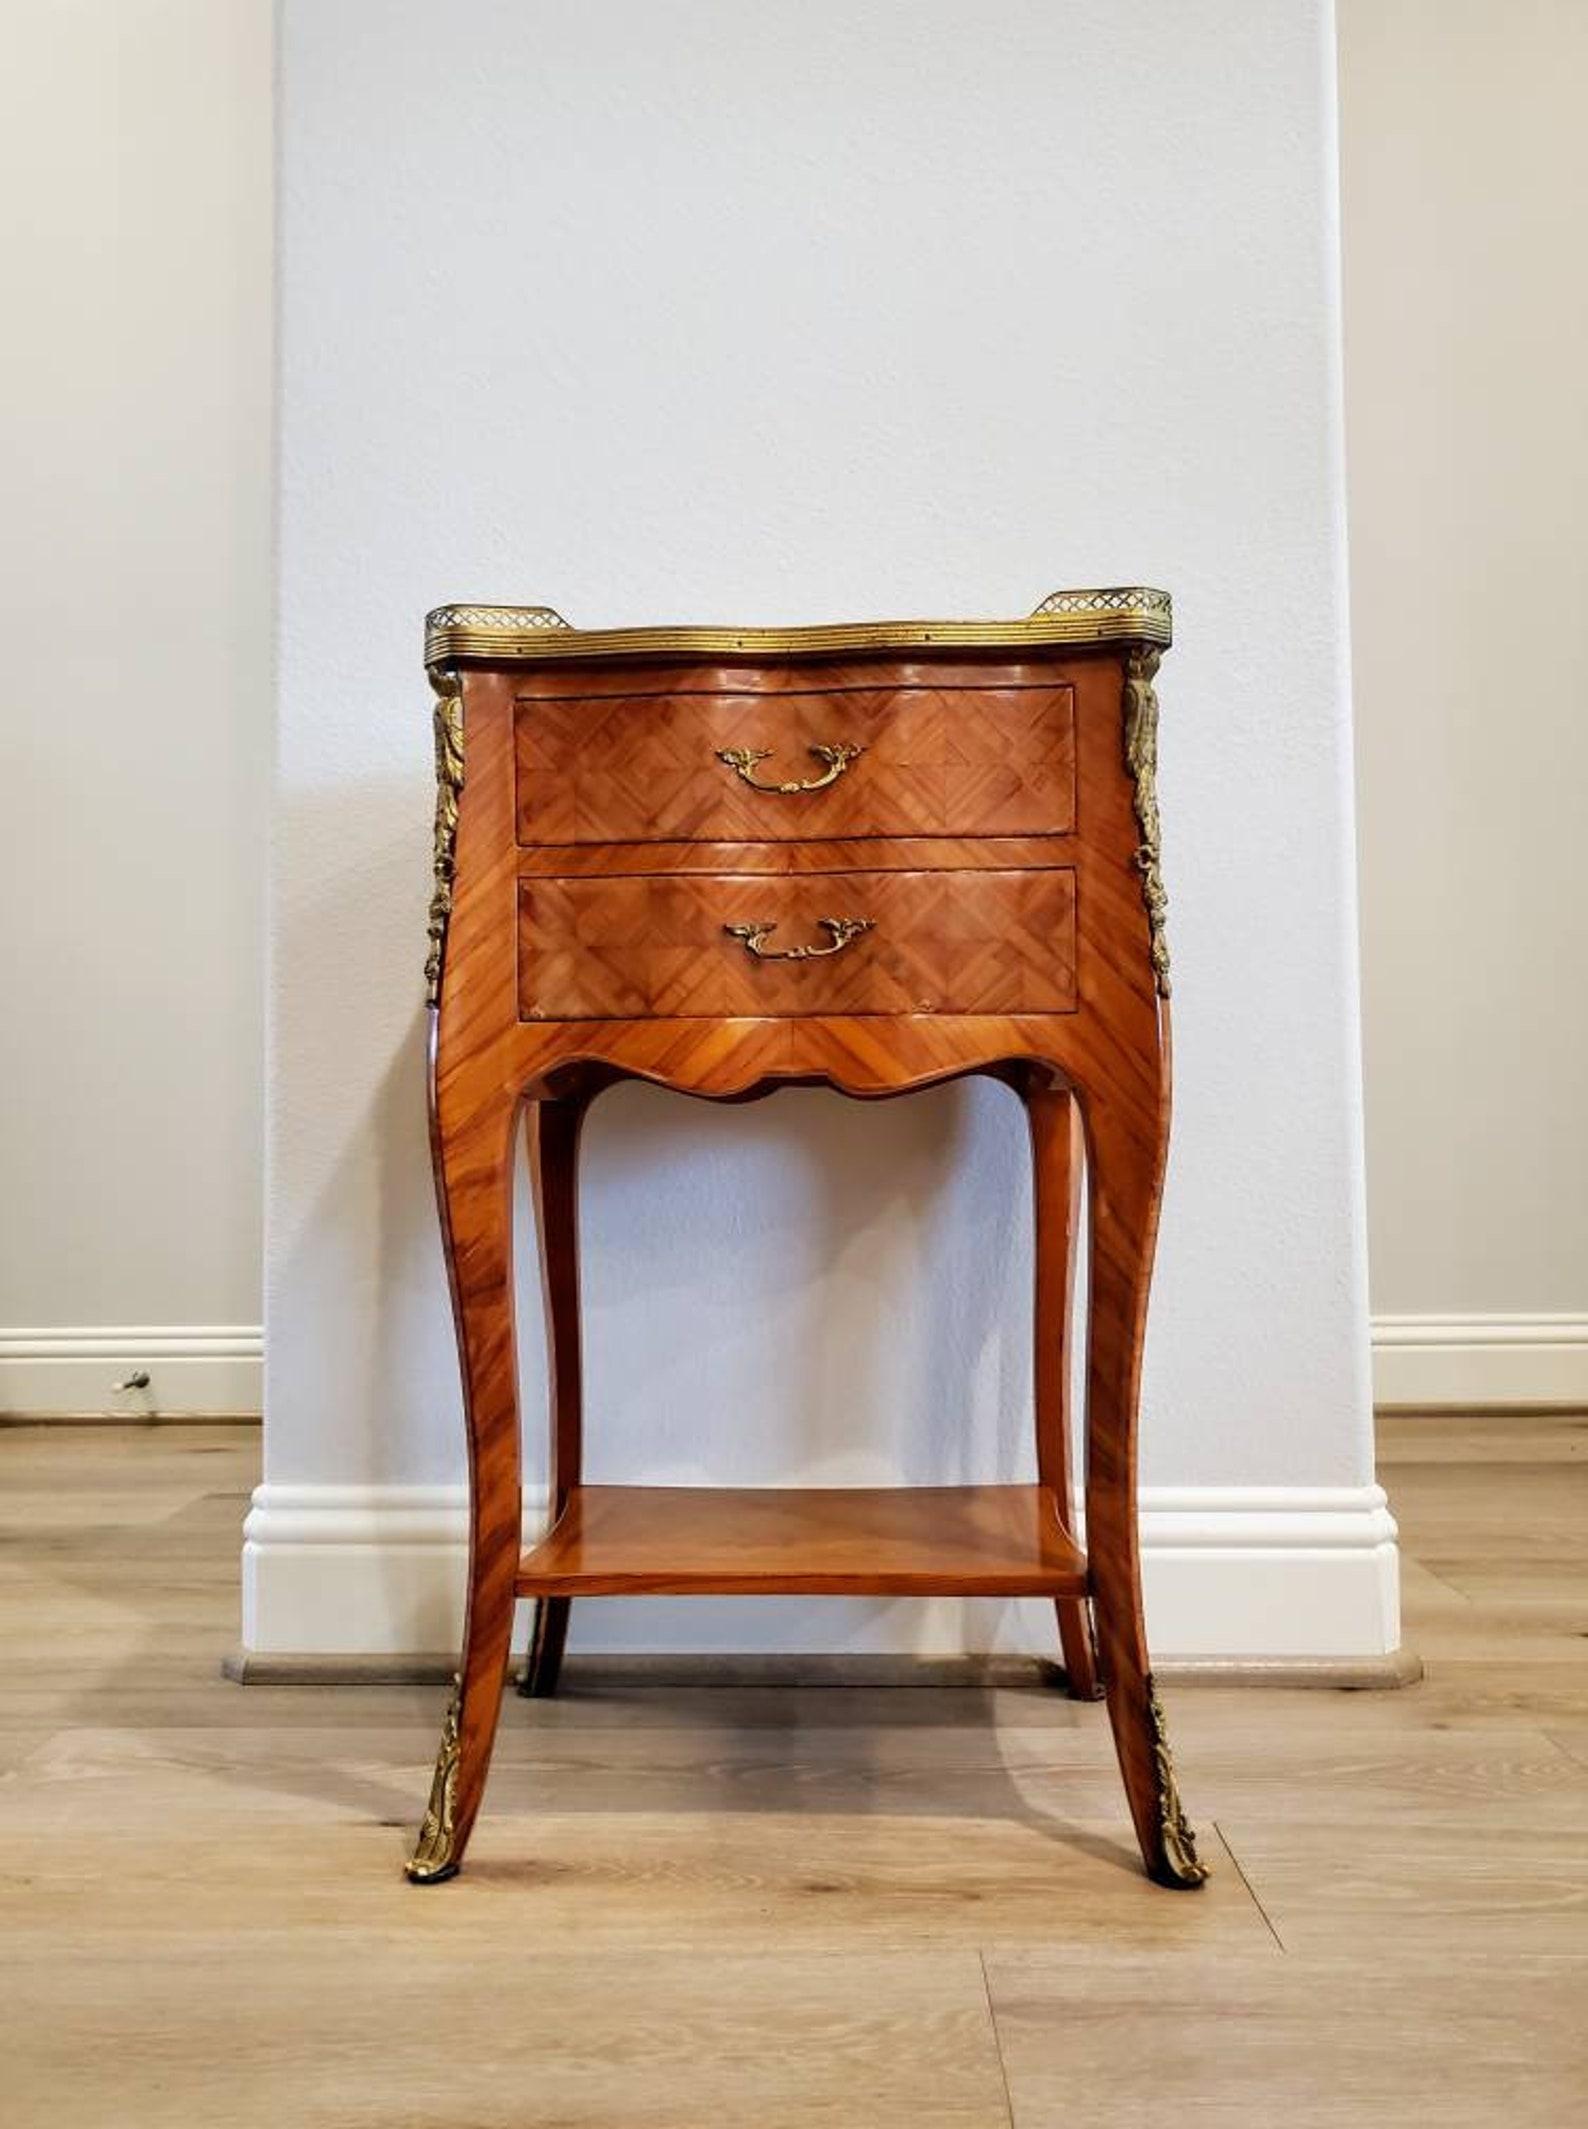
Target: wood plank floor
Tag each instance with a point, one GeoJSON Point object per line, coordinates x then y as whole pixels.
{"type": "Point", "coordinates": [756, 1906]}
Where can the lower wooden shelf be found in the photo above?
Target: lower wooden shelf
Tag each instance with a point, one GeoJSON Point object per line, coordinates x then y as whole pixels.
{"type": "Point", "coordinates": [992, 1541]}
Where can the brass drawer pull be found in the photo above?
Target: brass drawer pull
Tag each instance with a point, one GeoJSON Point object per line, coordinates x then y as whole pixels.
{"type": "Point", "coordinates": [843, 929]}
{"type": "Point", "coordinates": [742, 761]}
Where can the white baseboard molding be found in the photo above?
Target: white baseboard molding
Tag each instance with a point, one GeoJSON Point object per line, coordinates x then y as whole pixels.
{"type": "Point", "coordinates": [1261, 1575]}
{"type": "Point", "coordinates": [72, 1373]}
{"type": "Point", "coordinates": [1480, 1360]}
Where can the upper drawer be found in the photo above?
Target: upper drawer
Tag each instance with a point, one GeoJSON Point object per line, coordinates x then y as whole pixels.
{"type": "Point", "coordinates": [917, 759]}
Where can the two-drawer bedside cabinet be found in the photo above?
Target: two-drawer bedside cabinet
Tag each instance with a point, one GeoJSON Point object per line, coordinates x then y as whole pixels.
{"type": "Point", "coordinates": [871, 856]}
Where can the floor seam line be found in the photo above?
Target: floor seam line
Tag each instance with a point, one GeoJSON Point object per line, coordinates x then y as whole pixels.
{"type": "Point", "coordinates": [998, 2046]}
{"type": "Point", "coordinates": [1251, 1889]}
{"type": "Point", "coordinates": [1573, 1759]}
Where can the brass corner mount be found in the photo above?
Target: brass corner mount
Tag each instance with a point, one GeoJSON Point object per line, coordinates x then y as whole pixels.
{"type": "Point", "coordinates": [1141, 759]}
{"type": "Point", "coordinates": [449, 784]}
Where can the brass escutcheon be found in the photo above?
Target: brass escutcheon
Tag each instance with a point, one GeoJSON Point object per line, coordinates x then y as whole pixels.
{"type": "Point", "coordinates": [843, 930]}
{"type": "Point", "coordinates": [742, 761]}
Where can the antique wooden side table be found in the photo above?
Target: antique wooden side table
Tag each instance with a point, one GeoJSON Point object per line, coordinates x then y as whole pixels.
{"type": "Point", "coordinates": [872, 856]}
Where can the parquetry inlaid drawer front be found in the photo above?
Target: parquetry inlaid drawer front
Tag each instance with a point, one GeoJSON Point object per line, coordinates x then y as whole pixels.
{"type": "Point", "coordinates": [715, 766]}
{"type": "Point", "coordinates": [731, 945]}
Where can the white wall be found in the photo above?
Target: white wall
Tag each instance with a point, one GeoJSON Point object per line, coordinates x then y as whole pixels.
{"type": "Point", "coordinates": [1466, 315]}
{"type": "Point", "coordinates": [135, 150]}
{"type": "Point", "coordinates": [780, 313]}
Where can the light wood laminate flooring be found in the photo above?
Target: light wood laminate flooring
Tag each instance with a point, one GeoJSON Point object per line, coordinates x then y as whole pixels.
{"type": "Point", "coordinates": [841, 1906]}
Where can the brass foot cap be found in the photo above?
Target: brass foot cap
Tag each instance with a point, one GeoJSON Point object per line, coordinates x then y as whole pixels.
{"type": "Point", "coordinates": [1180, 1877]}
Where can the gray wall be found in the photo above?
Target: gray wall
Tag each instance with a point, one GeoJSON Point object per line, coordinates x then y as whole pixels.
{"type": "Point", "coordinates": [135, 152]}
{"type": "Point", "coordinates": [1466, 317]}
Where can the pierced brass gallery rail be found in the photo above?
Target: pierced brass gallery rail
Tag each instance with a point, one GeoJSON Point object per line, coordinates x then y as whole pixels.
{"type": "Point", "coordinates": [742, 760]}
{"type": "Point", "coordinates": [843, 930]}
{"type": "Point", "coordinates": [521, 635]}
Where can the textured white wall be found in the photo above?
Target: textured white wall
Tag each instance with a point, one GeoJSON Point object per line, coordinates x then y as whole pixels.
{"type": "Point", "coordinates": [782, 313]}
{"type": "Point", "coordinates": [1465, 171]}
{"type": "Point", "coordinates": [135, 147]}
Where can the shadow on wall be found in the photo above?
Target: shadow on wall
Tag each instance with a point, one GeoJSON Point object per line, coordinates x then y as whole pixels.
{"type": "Point", "coordinates": [811, 1286]}
{"type": "Point", "coordinates": [360, 1371]}
{"type": "Point", "coordinates": [810, 1290]}
{"type": "Point", "coordinates": [805, 1290]}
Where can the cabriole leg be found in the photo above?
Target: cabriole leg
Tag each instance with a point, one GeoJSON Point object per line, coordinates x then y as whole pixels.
{"type": "Point", "coordinates": [548, 1637]}
{"type": "Point", "coordinates": [552, 1143]}
{"type": "Point", "coordinates": [1127, 1143]}
{"type": "Point", "coordinates": [1056, 1195]}
{"type": "Point", "coordinates": [474, 1194]}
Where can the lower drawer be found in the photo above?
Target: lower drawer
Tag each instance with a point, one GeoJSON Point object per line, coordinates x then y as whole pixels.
{"type": "Point", "coordinates": [659, 946]}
